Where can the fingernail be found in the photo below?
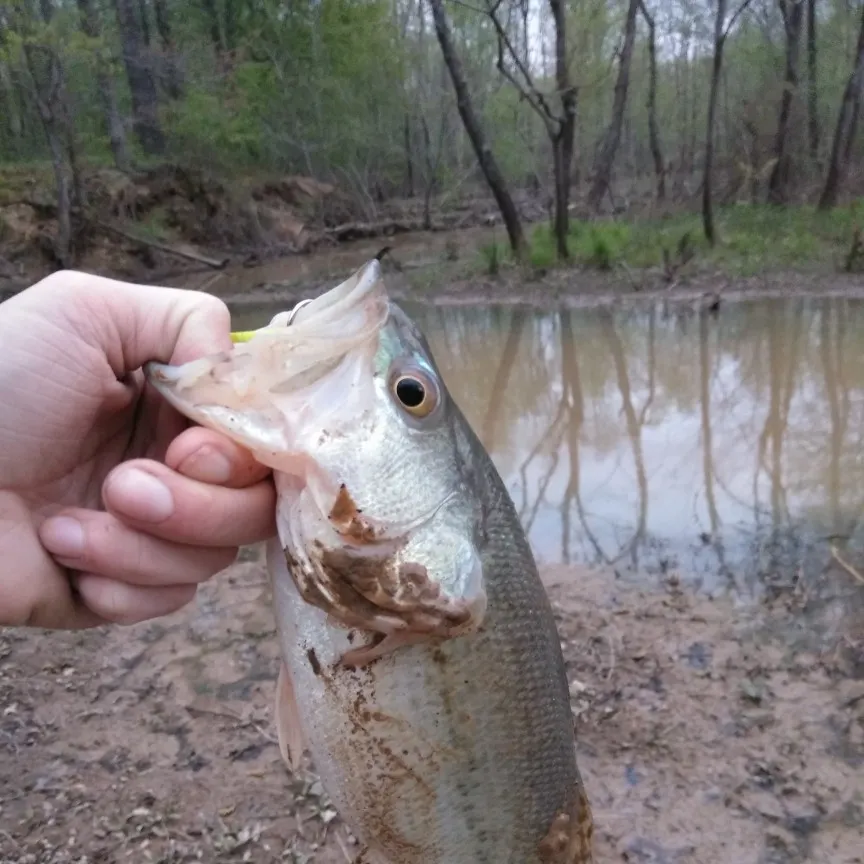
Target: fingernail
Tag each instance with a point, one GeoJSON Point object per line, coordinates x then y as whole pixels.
{"type": "Point", "coordinates": [62, 535]}
{"type": "Point", "coordinates": [206, 464]}
{"type": "Point", "coordinates": [139, 495]}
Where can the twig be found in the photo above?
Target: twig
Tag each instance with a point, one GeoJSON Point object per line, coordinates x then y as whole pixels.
{"type": "Point", "coordinates": [846, 566]}
{"type": "Point", "coordinates": [341, 843]}
{"type": "Point", "coordinates": [216, 263]}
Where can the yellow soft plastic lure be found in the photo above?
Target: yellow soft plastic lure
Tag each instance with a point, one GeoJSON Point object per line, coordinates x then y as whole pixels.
{"type": "Point", "coordinates": [246, 335]}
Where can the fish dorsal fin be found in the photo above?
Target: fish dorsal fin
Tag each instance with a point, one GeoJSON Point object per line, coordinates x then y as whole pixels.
{"type": "Point", "coordinates": [288, 728]}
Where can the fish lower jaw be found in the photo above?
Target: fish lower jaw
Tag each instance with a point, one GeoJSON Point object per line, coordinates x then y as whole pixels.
{"type": "Point", "coordinates": [394, 603]}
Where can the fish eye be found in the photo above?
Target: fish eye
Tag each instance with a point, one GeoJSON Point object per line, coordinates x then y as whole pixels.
{"type": "Point", "coordinates": [415, 392]}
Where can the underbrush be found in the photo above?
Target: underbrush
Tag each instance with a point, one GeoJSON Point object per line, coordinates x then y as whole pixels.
{"type": "Point", "coordinates": [751, 239]}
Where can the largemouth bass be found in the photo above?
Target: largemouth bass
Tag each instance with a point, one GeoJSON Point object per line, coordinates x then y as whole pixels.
{"type": "Point", "coordinates": [421, 666]}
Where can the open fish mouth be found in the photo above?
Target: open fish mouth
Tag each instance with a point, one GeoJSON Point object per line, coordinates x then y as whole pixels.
{"type": "Point", "coordinates": [274, 394]}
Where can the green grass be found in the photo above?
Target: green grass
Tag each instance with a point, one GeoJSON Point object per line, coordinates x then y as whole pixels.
{"type": "Point", "coordinates": [751, 239]}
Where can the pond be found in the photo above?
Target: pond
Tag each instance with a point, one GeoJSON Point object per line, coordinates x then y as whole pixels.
{"type": "Point", "coordinates": [725, 445]}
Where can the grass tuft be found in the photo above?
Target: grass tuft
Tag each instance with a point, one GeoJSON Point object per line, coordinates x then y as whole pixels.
{"type": "Point", "coordinates": [752, 239]}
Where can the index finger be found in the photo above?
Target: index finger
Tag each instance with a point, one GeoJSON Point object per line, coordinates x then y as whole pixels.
{"type": "Point", "coordinates": [204, 455]}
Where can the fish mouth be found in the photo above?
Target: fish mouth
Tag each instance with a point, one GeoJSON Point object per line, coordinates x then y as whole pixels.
{"type": "Point", "coordinates": [273, 393]}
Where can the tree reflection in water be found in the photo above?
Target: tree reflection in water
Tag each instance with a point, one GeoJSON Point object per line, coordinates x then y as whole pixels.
{"type": "Point", "coordinates": [662, 437]}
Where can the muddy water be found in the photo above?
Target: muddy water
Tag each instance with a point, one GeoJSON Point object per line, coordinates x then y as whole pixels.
{"type": "Point", "coordinates": [683, 478]}
{"type": "Point", "coordinates": [421, 249]}
{"type": "Point", "coordinates": [727, 446]}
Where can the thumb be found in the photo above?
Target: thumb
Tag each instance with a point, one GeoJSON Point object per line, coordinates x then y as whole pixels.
{"type": "Point", "coordinates": [133, 324]}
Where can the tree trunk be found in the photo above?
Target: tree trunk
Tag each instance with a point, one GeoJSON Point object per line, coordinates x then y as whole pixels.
{"type": "Point", "coordinates": [113, 121]}
{"type": "Point", "coordinates": [812, 84]}
{"type": "Point", "coordinates": [563, 142]}
{"type": "Point", "coordinates": [142, 87]}
{"type": "Point", "coordinates": [845, 126]}
{"type": "Point", "coordinates": [853, 131]}
{"type": "Point", "coordinates": [144, 20]}
{"type": "Point", "coordinates": [409, 160]}
{"type": "Point", "coordinates": [485, 157]}
{"type": "Point", "coordinates": [653, 135]}
{"type": "Point", "coordinates": [172, 79]}
{"type": "Point", "coordinates": [778, 184]}
{"type": "Point", "coordinates": [215, 29]}
{"type": "Point", "coordinates": [606, 153]}
{"type": "Point", "coordinates": [48, 87]}
{"type": "Point", "coordinates": [10, 100]}
{"type": "Point", "coordinates": [716, 66]}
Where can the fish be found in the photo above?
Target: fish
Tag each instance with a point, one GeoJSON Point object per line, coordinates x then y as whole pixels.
{"type": "Point", "coordinates": [421, 666]}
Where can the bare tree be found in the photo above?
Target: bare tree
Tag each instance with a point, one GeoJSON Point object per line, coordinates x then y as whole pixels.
{"type": "Point", "coordinates": [92, 28]}
{"type": "Point", "coordinates": [47, 83]}
{"type": "Point", "coordinates": [602, 173]}
{"type": "Point", "coordinates": [845, 129]}
{"type": "Point", "coordinates": [170, 73]}
{"type": "Point", "coordinates": [722, 29]}
{"type": "Point", "coordinates": [11, 108]}
{"type": "Point", "coordinates": [793, 16]}
{"type": "Point", "coordinates": [560, 124]}
{"type": "Point", "coordinates": [485, 157]}
{"type": "Point", "coordinates": [654, 137]}
{"type": "Point", "coordinates": [812, 84]}
{"type": "Point", "coordinates": [142, 86]}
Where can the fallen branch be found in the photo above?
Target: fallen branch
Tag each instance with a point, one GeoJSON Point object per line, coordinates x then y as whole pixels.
{"type": "Point", "coordinates": [190, 254]}
{"type": "Point", "coordinates": [846, 566]}
{"type": "Point", "coordinates": [364, 230]}
{"type": "Point", "coordinates": [49, 210]}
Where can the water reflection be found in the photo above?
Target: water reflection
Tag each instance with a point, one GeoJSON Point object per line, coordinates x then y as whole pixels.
{"type": "Point", "coordinates": [648, 438]}
{"type": "Point", "coordinates": [727, 446]}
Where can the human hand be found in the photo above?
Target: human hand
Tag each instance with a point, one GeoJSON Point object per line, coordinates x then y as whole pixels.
{"type": "Point", "coordinates": [97, 469]}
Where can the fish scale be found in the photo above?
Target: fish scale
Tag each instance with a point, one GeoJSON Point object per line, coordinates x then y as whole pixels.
{"type": "Point", "coordinates": [450, 750]}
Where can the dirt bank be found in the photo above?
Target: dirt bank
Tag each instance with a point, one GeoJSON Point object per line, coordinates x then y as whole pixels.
{"type": "Point", "coordinates": [442, 283]}
{"type": "Point", "coordinates": [707, 734]}
{"type": "Point", "coordinates": [173, 219]}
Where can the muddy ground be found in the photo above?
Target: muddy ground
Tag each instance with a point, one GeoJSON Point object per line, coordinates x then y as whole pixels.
{"type": "Point", "coordinates": [707, 733]}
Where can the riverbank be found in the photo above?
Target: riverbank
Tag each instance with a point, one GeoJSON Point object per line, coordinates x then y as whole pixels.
{"type": "Point", "coordinates": [259, 239]}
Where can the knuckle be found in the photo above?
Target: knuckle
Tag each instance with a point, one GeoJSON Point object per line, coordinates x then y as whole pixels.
{"type": "Point", "coordinates": [213, 307]}
{"type": "Point", "coordinates": [217, 561]}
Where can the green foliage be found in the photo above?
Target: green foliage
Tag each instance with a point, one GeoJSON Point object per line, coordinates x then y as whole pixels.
{"type": "Point", "coordinates": [492, 254]}
{"type": "Point", "coordinates": [598, 245]}
{"type": "Point", "coordinates": [225, 125]}
{"type": "Point", "coordinates": [752, 240]}
{"type": "Point", "coordinates": [328, 88]}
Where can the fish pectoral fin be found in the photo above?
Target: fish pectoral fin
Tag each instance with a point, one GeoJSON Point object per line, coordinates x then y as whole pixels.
{"type": "Point", "coordinates": [288, 729]}
{"type": "Point", "coordinates": [365, 654]}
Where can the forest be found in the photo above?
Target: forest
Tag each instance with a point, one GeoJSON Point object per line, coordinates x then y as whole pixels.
{"type": "Point", "coordinates": [259, 127]}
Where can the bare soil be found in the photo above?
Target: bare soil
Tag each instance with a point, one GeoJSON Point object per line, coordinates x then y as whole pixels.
{"type": "Point", "coordinates": [707, 733]}
{"type": "Point", "coordinates": [174, 219]}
